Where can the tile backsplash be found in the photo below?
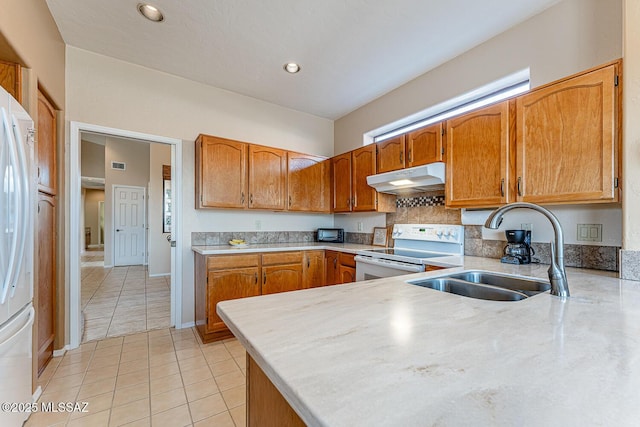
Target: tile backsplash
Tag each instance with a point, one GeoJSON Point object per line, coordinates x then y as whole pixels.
{"type": "Point", "coordinates": [428, 208]}
{"type": "Point", "coordinates": [213, 238]}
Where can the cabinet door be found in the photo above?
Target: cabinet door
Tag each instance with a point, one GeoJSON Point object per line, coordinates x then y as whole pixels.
{"type": "Point", "coordinates": [281, 278]}
{"type": "Point", "coordinates": [229, 284]}
{"type": "Point", "coordinates": [267, 177]}
{"type": "Point", "coordinates": [46, 146]}
{"type": "Point", "coordinates": [221, 173]}
{"type": "Point", "coordinates": [424, 145]}
{"type": "Point", "coordinates": [308, 181]}
{"type": "Point", "coordinates": [391, 155]}
{"type": "Point", "coordinates": [364, 164]}
{"type": "Point", "coordinates": [347, 274]}
{"type": "Point", "coordinates": [341, 174]}
{"type": "Point", "coordinates": [478, 153]}
{"type": "Point", "coordinates": [566, 140]}
{"type": "Point", "coordinates": [313, 270]}
{"type": "Point", "coordinates": [11, 79]}
{"type": "Point", "coordinates": [46, 286]}
{"type": "Point", "coordinates": [331, 268]}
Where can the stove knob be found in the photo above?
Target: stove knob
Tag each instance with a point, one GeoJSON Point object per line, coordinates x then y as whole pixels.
{"type": "Point", "coordinates": [453, 233]}
{"type": "Point", "coordinates": [439, 233]}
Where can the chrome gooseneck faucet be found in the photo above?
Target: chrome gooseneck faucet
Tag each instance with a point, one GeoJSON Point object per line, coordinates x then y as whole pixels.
{"type": "Point", "coordinates": [557, 274]}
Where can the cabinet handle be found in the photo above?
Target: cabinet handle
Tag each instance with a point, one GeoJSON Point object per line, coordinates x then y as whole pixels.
{"type": "Point", "coordinates": [410, 155]}
{"type": "Point", "coordinates": [264, 278]}
{"type": "Point", "coordinates": [353, 202]}
{"type": "Point", "coordinates": [502, 187]}
{"type": "Point", "coordinates": [349, 202]}
{"type": "Point", "coordinates": [335, 263]}
{"type": "Point", "coordinates": [289, 201]}
{"type": "Point", "coordinates": [251, 198]}
{"type": "Point", "coordinates": [256, 276]}
{"type": "Point", "coordinates": [242, 199]}
{"type": "Point", "coordinates": [308, 262]}
{"type": "Point", "coordinates": [519, 184]}
{"type": "Point", "coordinates": [401, 157]}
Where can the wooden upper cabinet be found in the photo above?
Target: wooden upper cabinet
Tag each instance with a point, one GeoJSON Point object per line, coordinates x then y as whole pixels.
{"type": "Point", "coordinates": [363, 165]}
{"type": "Point", "coordinates": [566, 140]}
{"type": "Point", "coordinates": [391, 154]}
{"type": "Point", "coordinates": [341, 180]}
{"type": "Point", "coordinates": [424, 145]}
{"type": "Point", "coordinates": [221, 173]}
{"type": "Point", "coordinates": [11, 79]}
{"type": "Point", "coordinates": [46, 146]}
{"type": "Point", "coordinates": [309, 183]}
{"type": "Point", "coordinates": [478, 154]}
{"type": "Point", "coordinates": [267, 177]}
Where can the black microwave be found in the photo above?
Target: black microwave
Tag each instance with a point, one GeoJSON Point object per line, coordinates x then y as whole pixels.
{"type": "Point", "coordinates": [333, 235]}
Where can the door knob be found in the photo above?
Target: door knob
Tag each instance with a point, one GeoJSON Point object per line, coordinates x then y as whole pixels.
{"type": "Point", "coordinates": [119, 229]}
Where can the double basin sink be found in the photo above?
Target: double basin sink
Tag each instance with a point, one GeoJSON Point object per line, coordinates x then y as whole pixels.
{"type": "Point", "coordinates": [485, 285]}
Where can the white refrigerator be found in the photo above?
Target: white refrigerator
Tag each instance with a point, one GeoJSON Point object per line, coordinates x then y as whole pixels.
{"type": "Point", "coordinates": [17, 224]}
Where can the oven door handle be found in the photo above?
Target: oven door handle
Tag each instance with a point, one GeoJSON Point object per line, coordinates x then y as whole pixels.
{"type": "Point", "coordinates": [390, 264]}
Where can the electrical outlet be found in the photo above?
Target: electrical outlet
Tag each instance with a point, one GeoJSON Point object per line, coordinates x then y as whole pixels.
{"type": "Point", "coordinates": [589, 233]}
{"type": "Point", "coordinates": [258, 224]}
{"type": "Point", "coordinates": [526, 226]}
{"type": "Point", "coordinates": [360, 226]}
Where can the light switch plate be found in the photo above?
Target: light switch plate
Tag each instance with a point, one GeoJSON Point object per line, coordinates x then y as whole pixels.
{"type": "Point", "coordinates": [589, 233]}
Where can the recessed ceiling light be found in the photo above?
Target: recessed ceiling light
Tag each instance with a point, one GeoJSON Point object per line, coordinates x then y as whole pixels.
{"type": "Point", "coordinates": [291, 67]}
{"type": "Point", "coordinates": [152, 13]}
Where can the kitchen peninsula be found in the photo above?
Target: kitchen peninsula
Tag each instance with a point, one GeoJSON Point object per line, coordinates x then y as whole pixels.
{"type": "Point", "coordinates": [384, 352]}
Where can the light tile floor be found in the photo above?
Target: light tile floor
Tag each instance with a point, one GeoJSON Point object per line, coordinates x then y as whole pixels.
{"type": "Point", "coordinates": [165, 377]}
{"type": "Point", "coordinates": [121, 300]}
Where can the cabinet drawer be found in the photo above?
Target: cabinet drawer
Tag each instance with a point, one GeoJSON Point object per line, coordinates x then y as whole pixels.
{"type": "Point", "coordinates": [274, 258]}
{"type": "Point", "coordinates": [219, 262]}
{"type": "Point", "coordinates": [347, 259]}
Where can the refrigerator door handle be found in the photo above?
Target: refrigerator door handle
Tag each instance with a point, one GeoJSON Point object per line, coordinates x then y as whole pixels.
{"type": "Point", "coordinates": [14, 240]}
{"type": "Point", "coordinates": [24, 215]}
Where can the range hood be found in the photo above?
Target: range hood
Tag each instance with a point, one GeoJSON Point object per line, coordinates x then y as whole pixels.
{"type": "Point", "coordinates": [418, 178]}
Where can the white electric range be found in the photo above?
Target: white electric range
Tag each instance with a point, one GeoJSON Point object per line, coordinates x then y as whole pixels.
{"type": "Point", "coordinates": [417, 247]}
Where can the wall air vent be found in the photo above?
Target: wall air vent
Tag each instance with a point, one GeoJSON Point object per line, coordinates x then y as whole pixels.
{"type": "Point", "coordinates": [118, 165]}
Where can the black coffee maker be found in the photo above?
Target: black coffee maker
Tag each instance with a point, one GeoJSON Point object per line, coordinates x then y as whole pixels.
{"type": "Point", "coordinates": [518, 249]}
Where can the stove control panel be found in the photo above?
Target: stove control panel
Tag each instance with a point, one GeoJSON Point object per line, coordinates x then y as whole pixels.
{"type": "Point", "coordinates": [429, 232]}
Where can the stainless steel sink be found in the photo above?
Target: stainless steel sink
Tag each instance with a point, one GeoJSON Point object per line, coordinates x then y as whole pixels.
{"type": "Point", "coordinates": [524, 285]}
{"type": "Point", "coordinates": [485, 285]}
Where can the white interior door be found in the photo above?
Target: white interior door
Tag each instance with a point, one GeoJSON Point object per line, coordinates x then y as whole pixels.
{"type": "Point", "coordinates": [129, 227]}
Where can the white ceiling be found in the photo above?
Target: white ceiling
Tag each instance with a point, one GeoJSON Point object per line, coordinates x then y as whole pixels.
{"type": "Point", "coordinates": [351, 51]}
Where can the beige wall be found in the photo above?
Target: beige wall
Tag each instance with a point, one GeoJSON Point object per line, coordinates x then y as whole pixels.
{"type": "Point", "coordinates": [567, 38]}
{"type": "Point", "coordinates": [136, 156]}
{"type": "Point", "coordinates": [92, 161]}
{"type": "Point", "coordinates": [631, 108]}
{"type": "Point", "coordinates": [91, 218]}
{"type": "Point", "coordinates": [107, 92]}
{"type": "Point", "coordinates": [159, 247]}
{"type": "Point", "coordinates": [31, 32]}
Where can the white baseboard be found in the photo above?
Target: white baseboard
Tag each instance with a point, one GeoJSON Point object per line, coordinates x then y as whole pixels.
{"type": "Point", "coordinates": [60, 352]}
{"type": "Point", "coordinates": [186, 325]}
{"type": "Point", "coordinates": [37, 394]}
{"type": "Point", "coordinates": [96, 246]}
{"type": "Point", "coordinates": [160, 275]}
{"type": "Point", "coordinates": [108, 266]}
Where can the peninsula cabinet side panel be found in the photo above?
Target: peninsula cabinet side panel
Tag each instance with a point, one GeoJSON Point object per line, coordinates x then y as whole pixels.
{"type": "Point", "coordinates": [266, 407]}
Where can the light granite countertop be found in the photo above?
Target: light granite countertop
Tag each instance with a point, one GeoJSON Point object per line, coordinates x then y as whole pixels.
{"type": "Point", "coordinates": [387, 353]}
{"type": "Point", "coordinates": [280, 247]}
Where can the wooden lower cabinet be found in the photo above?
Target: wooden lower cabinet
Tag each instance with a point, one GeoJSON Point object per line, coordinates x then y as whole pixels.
{"type": "Point", "coordinates": [331, 268]}
{"type": "Point", "coordinates": [313, 269]}
{"type": "Point", "coordinates": [46, 285]}
{"type": "Point", "coordinates": [346, 268]}
{"type": "Point", "coordinates": [222, 278]}
{"type": "Point", "coordinates": [266, 407]}
{"type": "Point", "coordinates": [281, 278]}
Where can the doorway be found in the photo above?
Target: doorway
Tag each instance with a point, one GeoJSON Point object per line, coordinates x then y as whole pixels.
{"type": "Point", "coordinates": [74, 318]}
